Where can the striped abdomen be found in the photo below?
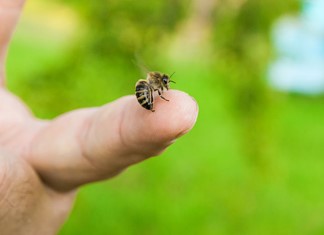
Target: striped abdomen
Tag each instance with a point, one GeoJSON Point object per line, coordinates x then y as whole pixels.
{"type": "Point", "coordinates": [144, 94]}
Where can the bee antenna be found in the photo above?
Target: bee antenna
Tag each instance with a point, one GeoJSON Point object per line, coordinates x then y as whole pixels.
{"type": "Point", "coordinates": [172, 81]}
{"type": "Point", "coordinates": [172, 74]}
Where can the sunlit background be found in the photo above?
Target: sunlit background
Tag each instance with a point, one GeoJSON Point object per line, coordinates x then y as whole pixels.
{"type": "Point", "coordinates": [253, 164]}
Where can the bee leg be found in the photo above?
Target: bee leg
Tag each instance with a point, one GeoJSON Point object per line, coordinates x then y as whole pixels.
{"type": "Point", "coordinates": [153, 110]}
{"type": "Point", "coordinates": [152, 98]}
{"type": "Point", "coordinates": [160, 94]}
{"type": "Point", "coordinates": [164, 98]}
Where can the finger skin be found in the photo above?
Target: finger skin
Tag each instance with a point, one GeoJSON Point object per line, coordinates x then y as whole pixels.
{"type": "Point", "coordinates": [94, 144]}
{"type": "Point", "coordinates": [27, 207]}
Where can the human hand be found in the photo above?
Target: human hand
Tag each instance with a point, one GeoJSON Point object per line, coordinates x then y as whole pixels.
{"type": "Point", "coordinates": [42, 163]}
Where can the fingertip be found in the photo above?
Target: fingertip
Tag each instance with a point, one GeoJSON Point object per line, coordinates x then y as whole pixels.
{"type": "Point", "coordinates": [179, 115]}
{"type": "Point", "coordinates": [169, 121]}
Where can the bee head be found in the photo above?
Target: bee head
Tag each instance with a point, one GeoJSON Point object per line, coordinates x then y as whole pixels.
{"type": "Point", "coordinates": [166, 80]}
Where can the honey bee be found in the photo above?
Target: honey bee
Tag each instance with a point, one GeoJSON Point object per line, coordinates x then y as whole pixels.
{"type": "Point", "coordinates": [145, 88]}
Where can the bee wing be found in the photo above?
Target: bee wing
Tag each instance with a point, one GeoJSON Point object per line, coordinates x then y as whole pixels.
{"type": "Point", "coordinates": [139, 62]}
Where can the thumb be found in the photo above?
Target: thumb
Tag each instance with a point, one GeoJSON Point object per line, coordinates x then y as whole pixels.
{"type": "Point", "coordinates": [94, 144]}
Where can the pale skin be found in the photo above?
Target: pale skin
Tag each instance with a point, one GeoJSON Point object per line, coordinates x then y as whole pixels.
{"type": "Point", "coordinates": [43, 163]}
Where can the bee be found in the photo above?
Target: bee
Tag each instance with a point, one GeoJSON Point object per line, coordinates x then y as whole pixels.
{"type": "Point", "coordinates": [145, 88]}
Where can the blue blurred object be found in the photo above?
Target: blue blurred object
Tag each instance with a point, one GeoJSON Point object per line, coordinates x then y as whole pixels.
{"type": "Point", "coordinates": [313, 15]}
{"type": "Point", "coordinates": [299, 43]}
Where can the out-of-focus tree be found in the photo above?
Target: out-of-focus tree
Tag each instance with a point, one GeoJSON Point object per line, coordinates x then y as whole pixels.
{"type": "Point", "coordinates": [122, 28]}
{"type": "Point", "coordinates": [111, 35]}
{"type": "Point", "coordinates": [194, 34]}
{"type": "Point", "coordinates": [242, 50]}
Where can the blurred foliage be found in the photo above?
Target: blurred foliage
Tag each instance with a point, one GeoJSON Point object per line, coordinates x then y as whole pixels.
{"type": "Point", "coordinates": [242, 54]}
{"type": "Point", "coordinates": [251, 165]}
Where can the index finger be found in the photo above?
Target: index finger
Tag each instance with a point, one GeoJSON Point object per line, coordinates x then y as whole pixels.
{"type": "Point", "coordinates": [9, 15]}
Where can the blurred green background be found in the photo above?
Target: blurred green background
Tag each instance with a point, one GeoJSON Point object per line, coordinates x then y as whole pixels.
{"type": "Point", "coordinates": [254, 162]}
